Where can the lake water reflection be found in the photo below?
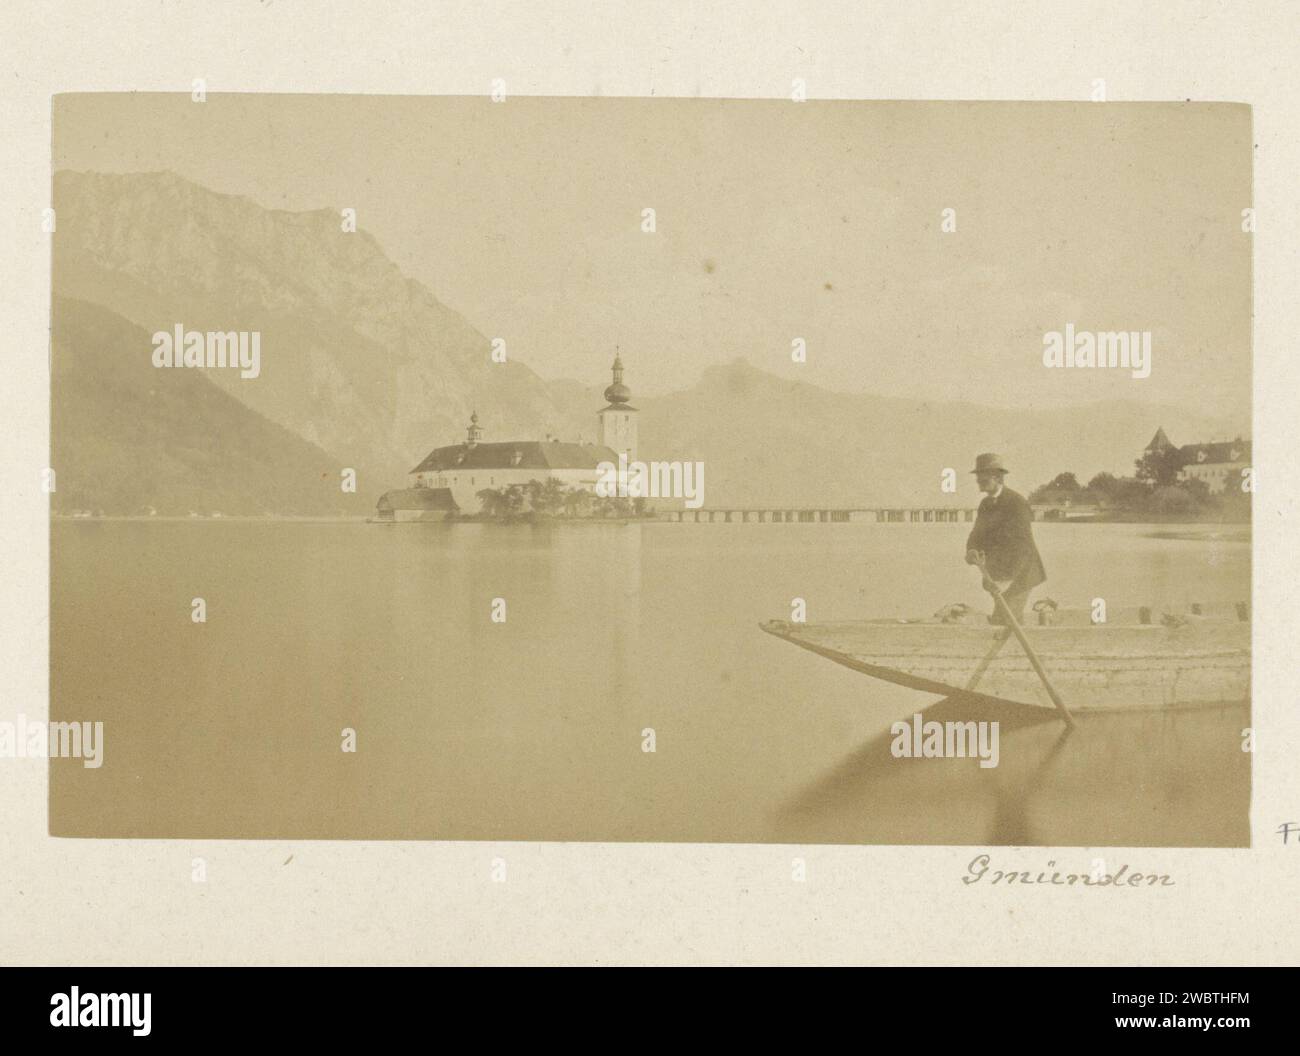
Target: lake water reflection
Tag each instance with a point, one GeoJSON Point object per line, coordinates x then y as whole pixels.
{"type": "Point", "coordinates": [532, 728]}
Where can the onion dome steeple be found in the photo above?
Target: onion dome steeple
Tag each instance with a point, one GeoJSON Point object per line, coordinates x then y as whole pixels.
{"type": "Point", "coordinates": [473, 434]}
{"type": "Point", "coordinates": [617, 419]}
{"type": "Point", "coordinates": [618, 393]}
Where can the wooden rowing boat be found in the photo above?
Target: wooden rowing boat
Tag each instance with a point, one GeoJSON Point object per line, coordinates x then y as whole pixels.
{"type": "Point", "coordinates": [1136, 660]}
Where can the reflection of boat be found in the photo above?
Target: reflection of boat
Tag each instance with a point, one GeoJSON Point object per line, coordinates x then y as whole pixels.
{"type": "Point", "coordinates": [1131, 662]}
{"type": "Point", "coordinates": [1154, 778]}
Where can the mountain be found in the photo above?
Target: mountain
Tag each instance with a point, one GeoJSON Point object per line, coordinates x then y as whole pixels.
{"type": "Point", "coordinates": [364, 367]}
{"type": "Point", "coordinates": [356, 358]}
{"type": "Point", "coordinates": [127, 436]}
{"type": "Point", "coordinates": [768, 440]}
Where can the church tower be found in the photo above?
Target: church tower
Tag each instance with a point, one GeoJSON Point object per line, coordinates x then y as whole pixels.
{"type": "Point", "coordinates": [617, 429]}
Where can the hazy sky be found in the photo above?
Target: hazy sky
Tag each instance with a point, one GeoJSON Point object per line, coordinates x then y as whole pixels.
{"type": "Point", "coordinates": [775, 220]}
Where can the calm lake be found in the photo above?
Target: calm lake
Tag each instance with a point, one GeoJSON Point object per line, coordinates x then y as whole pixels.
{"type": "Point", "coordinates": [532, 728]}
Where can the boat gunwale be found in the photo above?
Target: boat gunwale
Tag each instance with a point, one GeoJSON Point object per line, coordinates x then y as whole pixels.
{"type": "Point", "coordinates": [783, 629]}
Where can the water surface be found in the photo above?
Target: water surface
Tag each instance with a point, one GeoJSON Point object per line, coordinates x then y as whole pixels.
{"type": "Point", "coordinates": [533, 728]}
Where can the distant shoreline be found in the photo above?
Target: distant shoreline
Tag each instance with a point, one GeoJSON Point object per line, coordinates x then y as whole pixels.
{"type": "Point", "coordinates": [1222, 531]}
{"type": "Point", "coordinates": [242, 518]}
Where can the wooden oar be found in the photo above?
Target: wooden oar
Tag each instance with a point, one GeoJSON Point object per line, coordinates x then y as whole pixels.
{"type": "Point", "coordinates": [983, 665]}
{"type": "Point", "coordinates": [1014, 624]}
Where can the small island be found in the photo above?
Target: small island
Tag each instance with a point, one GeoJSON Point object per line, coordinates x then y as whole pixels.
{"type": "Point", "coordinates": [524, 480]}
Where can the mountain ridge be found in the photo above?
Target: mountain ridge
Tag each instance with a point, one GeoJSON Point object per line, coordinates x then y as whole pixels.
{"type": "Point", "coordinates": [129, 439]}
{"type": "Point", "coordinates": [365, 365]}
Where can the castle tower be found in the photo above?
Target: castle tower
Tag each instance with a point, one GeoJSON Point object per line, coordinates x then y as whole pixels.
{"type": "Point", "coordinates": [1159, 442]}
{"type": "Point", "coordinates": [617, 428]}
{"type": "Point", "coordinates": [473, 434]}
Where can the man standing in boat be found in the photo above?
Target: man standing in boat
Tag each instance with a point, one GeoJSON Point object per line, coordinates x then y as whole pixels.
{"type": "Point", "coordinates": [1003, 532]}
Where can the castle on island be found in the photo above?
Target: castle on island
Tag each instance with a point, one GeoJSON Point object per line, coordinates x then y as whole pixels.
{"type": "Point", "coordinates": [448, 481]}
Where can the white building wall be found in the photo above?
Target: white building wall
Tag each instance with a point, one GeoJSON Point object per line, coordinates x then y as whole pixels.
{"type": "Point", "coordinates": [618, 431]}
{"type": "Point", "coordinates": [1218, 476]}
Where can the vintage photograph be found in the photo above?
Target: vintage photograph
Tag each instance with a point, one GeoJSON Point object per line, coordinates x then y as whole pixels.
{"type": "Point", "coordinates": [777, 471]}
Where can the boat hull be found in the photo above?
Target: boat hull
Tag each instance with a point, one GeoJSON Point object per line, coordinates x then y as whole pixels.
{"type": "Point", "coordinates": [1189, 662]}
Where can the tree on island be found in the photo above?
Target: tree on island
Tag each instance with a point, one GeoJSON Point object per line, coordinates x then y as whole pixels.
{"type": "Point", "coordinates": [612, 506]}
{"type": "Point", "coordinates": [492, 502]}
{"type": "Point", "coordinates": [1106, 484]}
{"type": "Point", "coordinates": [541, 500]}
{"type": "Point", "coordinates": [1160, 467]}
{"type": "Point", "coordinates": [577, 502]}
{"type": "Point", "coordinates": [546, 498]}
{"type": "Point", "coordinates": [505, 503]}
{"type": "Point", "coordinates": [1064, 487]}
{"type": "Point", "coordinates": [1173, 501]}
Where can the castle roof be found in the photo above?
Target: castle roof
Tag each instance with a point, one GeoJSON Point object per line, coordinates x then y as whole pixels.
{"type": "Point", "coordinates": [1159, 441]}
{"type": "Point", "coordinates": [533, 454]}
{"type": "Point", "coordinates": [1211, 454]}
{"type": "Point", "coordinates": [1220, 451]}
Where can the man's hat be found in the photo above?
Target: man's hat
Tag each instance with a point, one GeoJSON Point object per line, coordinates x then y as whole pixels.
{"type": "Point", "coordinates": [989, 463]}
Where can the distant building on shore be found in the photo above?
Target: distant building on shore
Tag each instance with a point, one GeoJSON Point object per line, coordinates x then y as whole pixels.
{"type": "Point", "coordinates": [1064, 507]}
{"type": "Point", "coordinates": [1218, 464]}
{"type": "Point", "coordinates": [415, 504]}
{"type": "Point", "coordinates": [448, 480]}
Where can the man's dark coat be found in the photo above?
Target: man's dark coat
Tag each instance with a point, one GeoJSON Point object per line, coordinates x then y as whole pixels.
{"type": "Point", "coordinates": [1003, 531]}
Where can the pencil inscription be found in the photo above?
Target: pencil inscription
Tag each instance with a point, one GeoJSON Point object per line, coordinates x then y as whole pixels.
{"type": "Point", "coordinates": [979, 867]}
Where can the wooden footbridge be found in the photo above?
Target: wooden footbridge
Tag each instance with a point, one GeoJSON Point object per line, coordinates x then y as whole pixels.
{"type": "Point", "coordinates": [821, 515]}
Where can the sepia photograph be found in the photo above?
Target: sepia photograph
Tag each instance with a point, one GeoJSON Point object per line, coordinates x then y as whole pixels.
{"type": "Point", "coordinates": [465, 468]}
{"type": "Point", "coordinates": [493, 483]}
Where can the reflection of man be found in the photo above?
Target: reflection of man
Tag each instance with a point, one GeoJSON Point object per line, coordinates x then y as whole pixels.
{"type": "Point", "coordinates": [1004, 534]}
